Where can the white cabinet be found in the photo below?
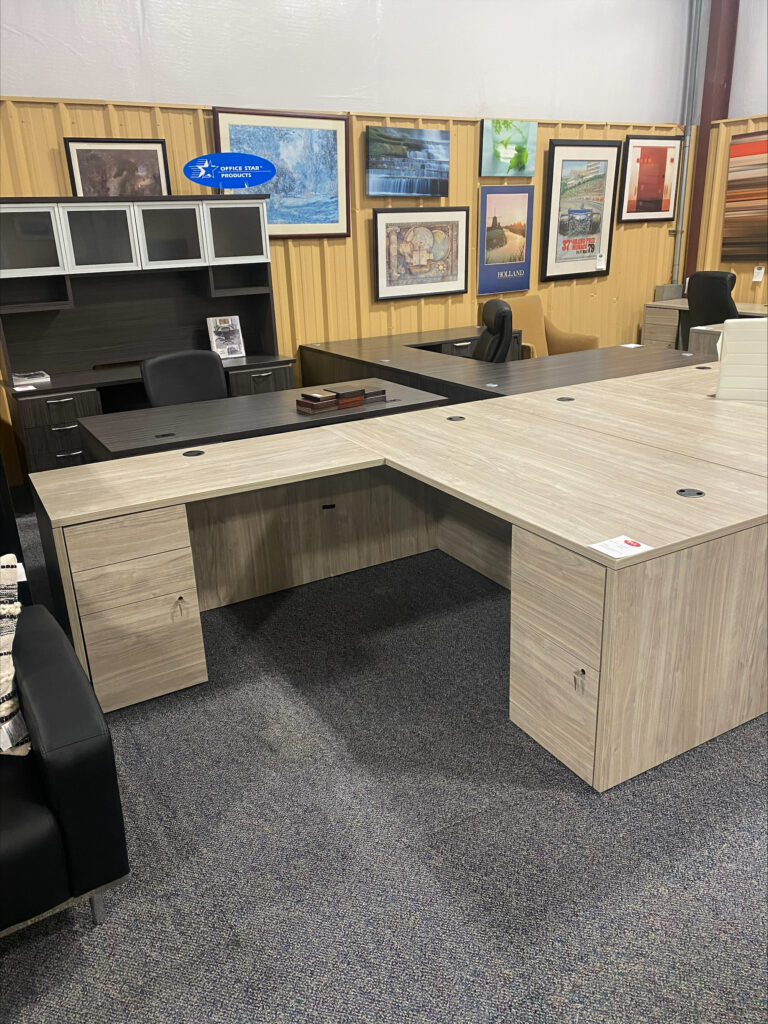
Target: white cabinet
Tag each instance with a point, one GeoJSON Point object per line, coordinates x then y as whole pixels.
{"type": "Point", "coordinates": [99, 237]}
{"type": "Point", "coordinates": [171, 235]}
{"type": "Point", "coordinates": [236, 231]}
{"type": "Point", "coordinates": [30, 240]}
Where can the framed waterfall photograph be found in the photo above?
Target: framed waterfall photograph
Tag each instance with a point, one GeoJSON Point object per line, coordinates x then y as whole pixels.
{"type": "Point", "coordinates": [406, 162]}
{"type": "Point", "coordinates": [420, 252]}
{"type": "Point", "coordinates": [650, 175]}
{"type": "Point", "coordinates": [582, 179]}
{"type": "Point", "coordinates": [504, 250]}
{"type": "Point", "coordinates": [309, 194]}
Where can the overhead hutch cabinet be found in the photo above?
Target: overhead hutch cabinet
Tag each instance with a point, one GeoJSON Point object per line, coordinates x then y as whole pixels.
{"type": "Point", "coordinates": [90, 289]}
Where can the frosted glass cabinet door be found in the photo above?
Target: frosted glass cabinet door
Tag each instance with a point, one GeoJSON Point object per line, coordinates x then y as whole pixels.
{"type": "Point", "coordinates": [236, 232]}
{"type": "Point", "coordinates": [170, 235]}
{"type": "Point", "coordinates": [30, 241]}
{"type": "Point", "coordinates": [99, 237]}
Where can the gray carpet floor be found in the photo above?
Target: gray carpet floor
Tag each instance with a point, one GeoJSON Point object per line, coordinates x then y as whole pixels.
{"type": "Point", "coordinates": [343, 826]}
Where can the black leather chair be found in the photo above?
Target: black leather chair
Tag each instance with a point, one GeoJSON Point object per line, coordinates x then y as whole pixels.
{"type": "Point", "coordinates": [193, 375]}
{"type": "Point", "coordinates": [62, 836]}
{"type": "Point", "coordinates": [493, 344]}
{"type": "Point", "coordinates": [709, 297]}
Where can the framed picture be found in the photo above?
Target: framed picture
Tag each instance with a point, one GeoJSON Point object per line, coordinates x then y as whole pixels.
{"type": "Point", "coordinates": [745, 222]}
{"type": "Point", "coordinates": [504, 252]}
{"type": "Point", "coordinates": [578, 209]}
{"type": "Point", "coordinates": [132, 168]}
{"type": "Point", "coordinates": [420, 252]}
{"type": "Point", "coordinates": [406, 161]}
{"type": "Point", "coordinates": [650, 175]}
{"type": "Point", "coordinates": [309, 194]}
{"type": "Point", "coordinates": [507, 148]}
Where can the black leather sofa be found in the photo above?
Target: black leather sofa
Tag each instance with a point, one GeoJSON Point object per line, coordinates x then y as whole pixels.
{"type": "Point", "coordinates": [62, 836]}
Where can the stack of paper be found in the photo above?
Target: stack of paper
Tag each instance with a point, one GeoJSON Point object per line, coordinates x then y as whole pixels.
{"type": "Point", "coordinates": [744, 360]}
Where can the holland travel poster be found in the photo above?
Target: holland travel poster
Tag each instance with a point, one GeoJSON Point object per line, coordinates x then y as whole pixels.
{"type": "Point", "coordinates": [581, 195]}
{"type": "Point", "coordinates": [504, 252]}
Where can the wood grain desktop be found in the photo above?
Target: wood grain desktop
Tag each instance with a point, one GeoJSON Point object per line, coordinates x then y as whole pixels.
{"type": "Point", "coordinates": [617, 663]}
{"type": "Point", "coordinates": [140, 431]}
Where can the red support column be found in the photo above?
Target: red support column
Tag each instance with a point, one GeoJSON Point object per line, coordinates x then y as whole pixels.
{"type": "Point", "coordinates": [723, 18]}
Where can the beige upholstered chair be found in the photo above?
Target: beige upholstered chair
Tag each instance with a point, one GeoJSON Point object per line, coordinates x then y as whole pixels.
{"type": "Point", "coordinates": [540, 336]}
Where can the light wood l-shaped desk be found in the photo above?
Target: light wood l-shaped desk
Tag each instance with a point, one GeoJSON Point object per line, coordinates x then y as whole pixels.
{"type": "Point", "coordinates": [617, 663]}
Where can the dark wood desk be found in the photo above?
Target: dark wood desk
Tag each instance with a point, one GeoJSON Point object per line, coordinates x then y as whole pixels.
{"type": "Point", "coordinates": [402, 358]}
{"type": "Point", "coordinates": [141, 431]}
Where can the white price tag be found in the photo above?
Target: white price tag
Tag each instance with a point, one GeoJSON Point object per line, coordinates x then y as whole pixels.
{"type": "Point", "coordinates": [600, 264]}
{"type": "Point", "coordinates": [621, 547]}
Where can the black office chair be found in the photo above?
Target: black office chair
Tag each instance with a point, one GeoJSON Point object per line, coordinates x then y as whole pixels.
{"type": "Point", "coordinates": [493, 344]}
{"type": "Point", "coordinates": [709, 297]}
{"type": "Point", "coordinates": [190, 376]}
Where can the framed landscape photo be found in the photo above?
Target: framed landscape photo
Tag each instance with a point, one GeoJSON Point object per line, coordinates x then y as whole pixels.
{"type": "Point", "coordinates": [504, 250]}
{"type": "Point", "coordinates": [406, 161]}
{"type": "Point", "coordinates": [578, 209]}
{"type": "Point", "coordinates": [419, 252]}
{"type": "Point", "coordinates": [650, 175]}
{"type": "Point", "coordinates": [507, 148]}
{"type": "Point", "coordinates": [309, 194]}
{"type": "Point", "coordinates": [131, 168]}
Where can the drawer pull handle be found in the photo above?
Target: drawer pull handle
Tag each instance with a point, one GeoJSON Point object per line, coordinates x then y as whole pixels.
{"type": "Point", "coordinates": [267, 374]}
{"type": "Point", "coordinates": [59, 401]}
{"type": "Point", "coordinates": [70, 426]}
{"type": "Point", "coordinates": [70, 455]}
{"type": "Point", "coordinates": [462, 344]}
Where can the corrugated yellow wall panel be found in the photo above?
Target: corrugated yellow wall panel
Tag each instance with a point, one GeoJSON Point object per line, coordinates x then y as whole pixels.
{"type": "Point", "coordinates": [713, 210]}
{"type": "Point", "coordinates": [323, 288]}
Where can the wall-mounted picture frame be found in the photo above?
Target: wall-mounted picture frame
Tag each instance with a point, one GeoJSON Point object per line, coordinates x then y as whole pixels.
{"type": "Point", "coordinates": [745, 218]}
{"type": "Point", "coordinates": [650, 176]}
{"type": "Point", "coordinates": [504, 249]}
{"type": "Point", "coordinates": [507, 148]}
{"type": "Point", "coordinates": [407, 162]}
{"type": "Point", "coordinates": [420, 252]}
{"type": "Point", "coordinates": [582, 180]}
{"type": "Point", "coordinates": [129, 168]}
{"type": "Point", "coordinates": [309, 194]}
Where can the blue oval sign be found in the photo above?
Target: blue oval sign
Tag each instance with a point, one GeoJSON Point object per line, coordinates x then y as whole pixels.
{"type": "Point", "coordinates": [229, 170]}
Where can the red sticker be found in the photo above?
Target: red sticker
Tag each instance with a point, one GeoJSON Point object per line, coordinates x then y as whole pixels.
{"type": "Point", "coordinates": [633, 543]}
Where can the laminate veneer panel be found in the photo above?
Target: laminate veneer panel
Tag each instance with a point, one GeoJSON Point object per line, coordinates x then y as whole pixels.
{"type": "Point", "coordinates": [570, 486]}
{"type": "Point", "coordinates": [557, 593]}
{"type": "Point", "coordinates": [733, 434]}
{"type": "Point", "coordinates": [122, 537]}
{"type": "Point", "coordinates": [259, 542]}
{"type": "Point", "coordinates": [474, 537]}
{"type": "Point", "coordinates": [553, 698]}
{"type": "Point", "coordinates": [139, 579]}
{"type": "Point", "coordinates": [142, 650]}
{"type": "Point", "coordinates": [86, 493]}
{"type": "Point", "coordinates": [685, 653]}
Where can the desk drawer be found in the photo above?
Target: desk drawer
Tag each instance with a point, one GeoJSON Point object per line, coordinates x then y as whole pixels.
{"type": "Point", "coordinates": [138, 579]}
{"type": "Point", "coordinates": [39, 462]}
{"type": "Point", "coordinates": [59, 409]}
{"type": "Point", "coordinates": [123, 537]}
{"type": "Point", "coordinates": [553, 698]}
{"type": "Point", "coordinates": [139, 651]}
{"type": "Point", "coordinates": [260, 381]}
{"type": "Point", "coordinates": [64, 437]}
{"type": "Point", "coordinates": [558, 593]}
{"type": "Point", "coordinates": [458, 348]}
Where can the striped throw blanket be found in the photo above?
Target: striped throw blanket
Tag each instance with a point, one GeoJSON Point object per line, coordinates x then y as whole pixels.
{"type": "Point", "coordinates": [14, 738]}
